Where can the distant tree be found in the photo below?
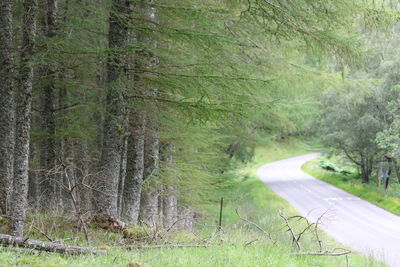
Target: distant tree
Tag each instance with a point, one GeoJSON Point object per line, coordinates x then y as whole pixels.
{"type": "Point", "coordinates": [349, 124]}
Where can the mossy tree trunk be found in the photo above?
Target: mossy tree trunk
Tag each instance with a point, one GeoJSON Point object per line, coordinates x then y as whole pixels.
{"type": "Point", "coordinates": [23, 119]}
{"type": "Point", "coordinates": [118, 38]}
{"type": "Point", "coordinates": [7, 110]}
{"type": "Point", "coordinates": [135, 167]}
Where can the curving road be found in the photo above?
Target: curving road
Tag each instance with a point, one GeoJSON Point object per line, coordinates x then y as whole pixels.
{"type": "Point", "coordinates": [349, 219]}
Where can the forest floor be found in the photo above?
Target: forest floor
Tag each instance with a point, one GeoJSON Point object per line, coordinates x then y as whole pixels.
{"type": "Point", "coordinates": [350, 182]}
{"type": "Point", "coordinates": [240, 243]}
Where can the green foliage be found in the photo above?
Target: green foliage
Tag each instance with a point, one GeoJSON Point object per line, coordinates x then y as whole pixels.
{"type": "Point", "coordinates": [350, 123]}
{"type": "Point", "coordinates": [327, 165]}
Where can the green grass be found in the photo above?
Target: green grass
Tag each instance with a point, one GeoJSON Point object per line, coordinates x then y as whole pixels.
{"type": "Point", "coordinates": [254, 200]}
{"type": "Point", "coordinates": [350, 183]}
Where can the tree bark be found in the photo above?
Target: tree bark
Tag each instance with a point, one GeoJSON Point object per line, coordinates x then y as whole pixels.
{"type": "Point", "coordinates": [33, 180]}
{"type": "Point", "coordinates": [118, 37]}
{"type": "Point", "coordinates": [23, 119]}
{"type": "Point", "coordinates": [135, 167]}
{"type": "Point", "coordinates": [122, 174]}
{"type": "Point", "coordinates": [150, 206]}
{"type": "Point", "coordinates": [7, 109]}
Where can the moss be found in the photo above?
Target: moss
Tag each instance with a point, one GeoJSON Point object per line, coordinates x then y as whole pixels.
{"type": "Point", "coordinates": [136, 233]}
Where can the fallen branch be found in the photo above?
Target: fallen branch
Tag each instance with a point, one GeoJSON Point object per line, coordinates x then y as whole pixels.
{"type": "Point", "coordinates": [294, 239]}
{"type": "Point", "coordinates": [257, 226]}
{"type": "Point", "coordinates": [251, 242]}
{"type": "Point", "coordinates": [326, 253]}
{"type": "Point", "coordinates": [43, 233]}
{"type": "Point", "coordinates": [162, 246]}
{"type": "Point", "coordinates": [9, 240]}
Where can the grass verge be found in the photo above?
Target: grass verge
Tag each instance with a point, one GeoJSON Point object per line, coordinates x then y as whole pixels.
{"type": "Point", "coordinates": [350, 183]}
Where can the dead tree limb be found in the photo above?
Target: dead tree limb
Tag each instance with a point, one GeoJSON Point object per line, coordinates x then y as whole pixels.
{"type": "Point", "coordinates": [162, 246]}
{"type": "Point", "coordinates": [299, 217]}
{"type": "Point", "coordinates": [321, 253]}
{"type": "Point", "coordinates": [9, 240]}
{"type": "Point", "coordinates": [251, 242]}
{"type": "Point", "coordinates": [316, 230]}
{"type": "Point", "coordinates": [43, 233]}
{"type": "Point", "coordinates": [294, 238]}
{"type": "Point", "coordinates": [257, 226]}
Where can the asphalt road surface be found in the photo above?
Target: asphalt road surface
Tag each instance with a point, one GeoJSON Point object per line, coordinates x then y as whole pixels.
{"type": "Point", "coordinates": [349, 219]}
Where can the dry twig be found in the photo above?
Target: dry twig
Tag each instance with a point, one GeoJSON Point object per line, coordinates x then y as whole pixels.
{"type": "Point", "coordinates": [257, 226]}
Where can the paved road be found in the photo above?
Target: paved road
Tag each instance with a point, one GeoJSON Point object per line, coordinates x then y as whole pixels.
{"type": "Point", "coordinates": [350, 220]}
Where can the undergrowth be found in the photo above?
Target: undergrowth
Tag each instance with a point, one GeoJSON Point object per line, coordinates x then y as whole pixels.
{"type": "Point", "coordinates": [237, 244]}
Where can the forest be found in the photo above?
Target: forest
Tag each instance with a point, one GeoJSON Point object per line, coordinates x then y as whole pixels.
{"type": "Point", "coordinates": [134, 116]}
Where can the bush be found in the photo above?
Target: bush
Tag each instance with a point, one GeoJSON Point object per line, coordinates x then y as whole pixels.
{"type": "Point", "coordinates": [327, 165]}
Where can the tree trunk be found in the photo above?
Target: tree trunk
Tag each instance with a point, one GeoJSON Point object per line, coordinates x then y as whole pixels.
{"type": "Point", "coordinates": [366, 169]}
{"type": "Point", "coordinates": [118, 37]}
{"type": "Point", "coordinates": [161, 207]}
{"type": "Point", "coordinates": [134, 176]}
{"type": "Point", "coordinates": [49, 181]}
{"type": "Point", "coordinates": [186, 219]}
{"type": "Point", "coordinates": [149, 205]}
{"type": "Point", "coordinates": [150, 208]}
{"type": "Point", "coordinates": [170, 203]}
{"type": "Point", "coordinates": [34, 186]}
{"type": "Point", "coordinates": [170, 206]}
{"type": "Point", "coordinates": [66, 146]}
{"type": "Point", "coordinates": [122, 174]}
{"type": "Point", "coordinates": [83, 177]}
{"type": "Point", "coordinates": [152, 151]}
{"type": "Point", "coordinates": [23, 120]}
{"type": "Point", "coordinates": [7, 112]}
{"type": "Point", "coordinates": [48, 148]}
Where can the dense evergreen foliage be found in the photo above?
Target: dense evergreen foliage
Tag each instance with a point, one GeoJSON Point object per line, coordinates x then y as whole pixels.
{"type": "Point", "coordinates": [140, 111]}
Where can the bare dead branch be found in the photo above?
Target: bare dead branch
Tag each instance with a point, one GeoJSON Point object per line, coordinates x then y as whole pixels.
{"type": "Point", "coordinates": [163, 246]}
{"type": "Point", "coordinates": [257, 226]}
{"type": "Point", "coordinates": [43, 233]}
{"type": "Point", "coordinates": [321, 253]}
{"type": "Point", "coordinates": [294, 239]}
{"type": "Point", "coordinates": [251, 242]}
